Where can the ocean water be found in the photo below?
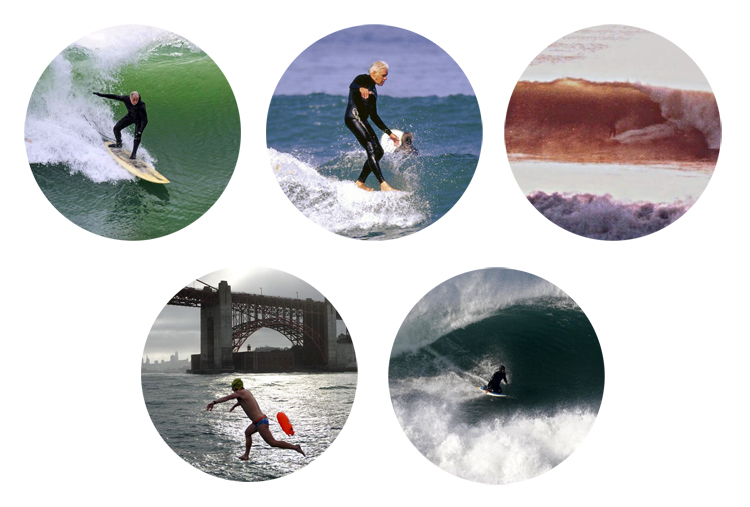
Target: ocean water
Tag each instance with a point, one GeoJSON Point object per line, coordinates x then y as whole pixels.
{"type": "Point", "coordinates": [316, 159]}
{"type": "Point", "coordinates": [317, 405]}
{"type": "Point", "coordinates": [613, 132]}
{"type": "Point", "coordinates": [192, 137]}
{"type": "Point", "coordinates": [457, 336]}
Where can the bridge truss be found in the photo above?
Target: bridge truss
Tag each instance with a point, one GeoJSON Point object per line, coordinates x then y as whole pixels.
{"type": "Point", "coordinates": [300, 321]}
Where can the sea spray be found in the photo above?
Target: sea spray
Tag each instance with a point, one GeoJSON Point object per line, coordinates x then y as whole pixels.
{"type": "Point", "coordinates": [497, 451]}
{"type": "Point", "coordinates": [465, 299]}
{"type": "Point", "coordinates": [339, 205]}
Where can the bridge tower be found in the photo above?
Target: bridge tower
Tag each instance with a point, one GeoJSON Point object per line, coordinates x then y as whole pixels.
{"type": "Point", "coordinates": [331, 336]}
{"type": "Point", "coordinates": [216, 331]}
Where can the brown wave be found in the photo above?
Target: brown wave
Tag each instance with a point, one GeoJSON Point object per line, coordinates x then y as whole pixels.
{"type": "Point", "coordinates": [578, 120]}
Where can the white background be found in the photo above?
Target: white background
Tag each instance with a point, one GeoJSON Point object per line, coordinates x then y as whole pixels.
{"type": "Point", "coordinates": [669, 309]}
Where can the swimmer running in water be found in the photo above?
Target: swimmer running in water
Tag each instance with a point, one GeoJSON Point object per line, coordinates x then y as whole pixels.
{"type": "Point", "coordinates": [362, 104]}
{"type": "Point", "coordinates": [246, 400]}
{"type": "Point", "coordinates": [136, 114]}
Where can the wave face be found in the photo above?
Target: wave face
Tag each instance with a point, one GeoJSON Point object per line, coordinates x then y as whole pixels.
{"type": "Point", "coordinates": [579, 120]}
{"type": "Point", "coordinates": [601, 217]}
{"type": "Point", "coordinates": [317, 160]}
{"type": "Point", "coordinates": [192, 137]}
{"type": "Point", "coordinates": [554, 365]}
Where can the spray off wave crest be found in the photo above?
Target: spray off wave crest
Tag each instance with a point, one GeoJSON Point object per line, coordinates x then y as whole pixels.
{"type": "Point", "coordinates": [65, 123]}
{"type": "Point", "coordinates": [340, 206]}
{"type": "Point", "coordinates": [575, 119]}
{"type": "Point", "coordinates": [466, 299]}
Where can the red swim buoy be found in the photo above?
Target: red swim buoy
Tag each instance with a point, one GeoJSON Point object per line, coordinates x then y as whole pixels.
{"type": "Point", "coordinates": [284, 423]}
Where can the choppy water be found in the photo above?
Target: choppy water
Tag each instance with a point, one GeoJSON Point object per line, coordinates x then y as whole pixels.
{"type": "Point", "coordinates": [317, 405]}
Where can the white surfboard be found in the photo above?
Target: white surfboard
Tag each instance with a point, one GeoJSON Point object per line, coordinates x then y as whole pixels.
{"type": "Point", "coordinates": [387, 143]}
{"type": "Point", "coordinates": [496, 395]}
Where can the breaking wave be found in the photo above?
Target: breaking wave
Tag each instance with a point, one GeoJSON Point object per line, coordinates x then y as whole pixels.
{"type": "Point", "coordinates": [575, 119]}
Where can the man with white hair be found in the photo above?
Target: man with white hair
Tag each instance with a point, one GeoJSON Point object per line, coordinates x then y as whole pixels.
{"type": "Point", "coordinates": [363, 105]}
{"type": "Point", "coordinates": [136, 115]}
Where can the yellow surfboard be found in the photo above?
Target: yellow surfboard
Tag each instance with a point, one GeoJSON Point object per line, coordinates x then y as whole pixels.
{"type": "Point", "coordinates": [135, 167]}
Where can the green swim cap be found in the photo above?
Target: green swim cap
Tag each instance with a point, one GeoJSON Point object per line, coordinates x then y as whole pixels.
{"type": "Point", "coordinates": [238, 383]}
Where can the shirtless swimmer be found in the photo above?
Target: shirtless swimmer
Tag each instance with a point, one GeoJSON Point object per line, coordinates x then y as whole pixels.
{"type": "Point", "coordinates": [246, 400]}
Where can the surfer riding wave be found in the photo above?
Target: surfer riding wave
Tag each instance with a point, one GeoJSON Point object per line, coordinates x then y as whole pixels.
{"type": "Point", "coordinates": [493, 385]}
{"type": "Point", "coordinates": [136, 115]}
{"type": "Point", "coordinates": [362, 104]}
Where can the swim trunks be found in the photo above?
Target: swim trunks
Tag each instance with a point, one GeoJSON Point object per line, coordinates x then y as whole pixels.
{"type": "Point", "coordinates": [262, 420]}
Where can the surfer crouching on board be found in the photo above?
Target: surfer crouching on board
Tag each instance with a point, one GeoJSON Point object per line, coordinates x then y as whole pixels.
{"type": "Point", "coordinates": [363, 104]}
{"type": "Point", "coordinates": [493, 385]}
{"type": "Point", "coordinates": [136, 114]}
{"type": "Point", "coordinates": [246, 400]}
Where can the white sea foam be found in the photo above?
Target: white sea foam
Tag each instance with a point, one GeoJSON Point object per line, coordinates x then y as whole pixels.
{"type": "Point", "coordinates": [339, 206]}
{"type": "Point", "coordinates": [466, 299]}
{"type": "Point", "coordinates": [498, 451]}
{"type": "Point", "coordinates": [601, 217]}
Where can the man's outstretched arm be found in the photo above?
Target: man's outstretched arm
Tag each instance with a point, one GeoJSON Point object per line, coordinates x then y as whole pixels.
{"type": "Point", "coordinates": [228, 397]}
{"type": "Point", "coordinates": [112, 96]}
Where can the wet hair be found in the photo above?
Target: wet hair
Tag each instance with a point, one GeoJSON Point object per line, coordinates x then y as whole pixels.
{"type": "Point", "coordinates": [135, 94]}
{"type": "Point", "coordinates": [502, 366]}
{"type": "Point", "coordinates": [377, 66]}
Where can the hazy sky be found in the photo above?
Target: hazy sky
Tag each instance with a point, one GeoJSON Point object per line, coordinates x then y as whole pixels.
{"type": "Point", "coordinates": [617, 53]}
{"type": "Point", "coordinates": [178, 328]}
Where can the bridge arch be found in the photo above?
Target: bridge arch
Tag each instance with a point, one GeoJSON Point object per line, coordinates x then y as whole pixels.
{"type": "Point", "coordinates": [294, 332]}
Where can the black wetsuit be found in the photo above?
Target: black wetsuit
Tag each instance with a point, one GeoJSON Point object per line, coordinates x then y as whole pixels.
{"type": "Point", "coordinates": [136, 114]}
{"type": "Point", "coordinates": [357, 112]}
{"type": "Point", "coordinates": [494, 384]}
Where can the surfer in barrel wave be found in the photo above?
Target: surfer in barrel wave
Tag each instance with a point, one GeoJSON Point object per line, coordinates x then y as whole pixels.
{"type": "Point", "coordinates": [362, 105]}
{"type": "Point", "coordinates": [136, 115]}
{"type": "Point", "coordinates": [493, 385]}
{"type": "Point", "coordinates": [246, 400]}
